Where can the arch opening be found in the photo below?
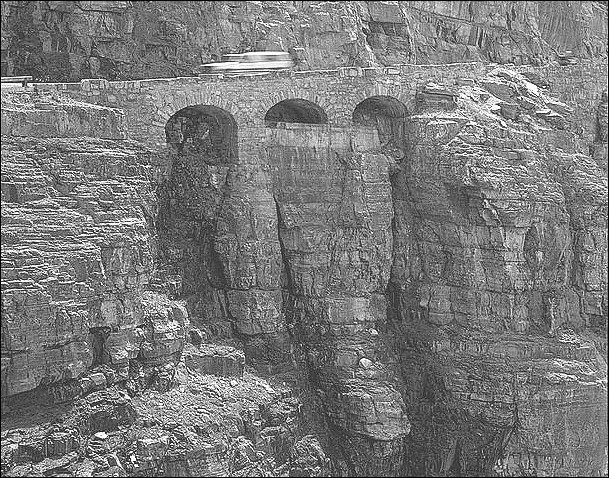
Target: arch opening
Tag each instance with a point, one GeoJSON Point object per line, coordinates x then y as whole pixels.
{"type": "Point", "coordinates": [205, 131]}
{"type": "Point", "coordinates": [295, 110]}
{"type": "Point", "coordinates": [202, 147]}
{"type": "Point", "coordinates": [385, 113]}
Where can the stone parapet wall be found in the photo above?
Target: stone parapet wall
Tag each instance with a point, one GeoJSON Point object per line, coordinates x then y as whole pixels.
{"type": "Point", "coordinates": [148, 104]}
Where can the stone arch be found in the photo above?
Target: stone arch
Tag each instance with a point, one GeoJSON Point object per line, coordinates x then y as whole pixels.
{"type": "Point", "coordinates": [169, 104]}
{"type": "Point", "coordinates": [204, 130]}
{"type": "Point", "coordinates": [295, 110]}
{"type": "Point", "coordinates": [398, 92]}
{"type": "Point", "coordinates": [202, 147]}
{"type": "Point", "coordinates": [387, 114]}
{"type": "Point", "coordinates": [309, 93]}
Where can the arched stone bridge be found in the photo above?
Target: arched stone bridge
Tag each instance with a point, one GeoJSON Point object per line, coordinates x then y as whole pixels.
{"type": "Point", "coordinates": [274, 228]}
{"type": "Point", "coordinates": [331, 94]}
{"type": "Point", "coordinates": [149, 104]}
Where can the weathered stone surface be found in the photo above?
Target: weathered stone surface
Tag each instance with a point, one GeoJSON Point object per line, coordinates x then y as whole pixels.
{"type": "Point", "coordinates": [76, 247]}
{"type": "Point", "coordinates": [334, 209]}
{"type": "Point", "coordinates": [215, 359]}
{"type": "Point", "coordinates": [67, 41]}
{"type": "Point", "coordinates": [160, 336]}
{"type": "Point", "coordinates": [500, 286]}
{"type": "Point", "coordinates": [418, 253]}
{"type": "Point", "coordinates": [598, 150]}
{"type": "Point", "coordinates": [307, 458]}
{"type": "Point", "coordinates": [47, 117]}
{"type": "Point", "coordinates": [68, 200]}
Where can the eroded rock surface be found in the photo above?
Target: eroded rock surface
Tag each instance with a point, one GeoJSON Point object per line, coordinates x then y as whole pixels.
{"type": "Point", "coordinates": [103, 373]}
{"type": "Point", "coordinates": [70, 40]}
{"type": "Point", "coordinates": [335, 209]}
{"type": "Point", "coordinates": [499, 286]}
{"type": "Point", "coordinates": [76, 253]}
{"type": "Point", "coordinates": [419, 290]}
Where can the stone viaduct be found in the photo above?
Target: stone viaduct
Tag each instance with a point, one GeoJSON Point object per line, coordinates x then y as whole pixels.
{"type": "Point", "coordinates": [330, 96]}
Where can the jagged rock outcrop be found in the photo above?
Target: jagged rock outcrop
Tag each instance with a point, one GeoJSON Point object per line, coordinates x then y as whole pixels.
{"type": "Point", "coordinates": [218, 360]}
{"type": "Point", "coordinates": [70, 40]}
{"type": "Point", "coordinates": [499, 285]}
{"type": "Point", "coordinates": [102, 372]}
{"type": "Point", "coordinates": [421, 281]}
{"type": "Point", "coordinates": [47, 117]}
{"type": "Point", "coordinates": [187, 431]}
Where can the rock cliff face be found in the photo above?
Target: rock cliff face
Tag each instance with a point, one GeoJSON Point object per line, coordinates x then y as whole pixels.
{"type": "Point", "coordinates": [76, 250]}
{"type": "Point", "coordinates": [499, 286]}
{"type": "Point", "coordinates": [70, 40]}
{"type": "Point", "coordinates": [102, 372]}
{"type": "Point", "coordinates": [334, 208]}
{"type": "Point", "coordinates": [421, 291]}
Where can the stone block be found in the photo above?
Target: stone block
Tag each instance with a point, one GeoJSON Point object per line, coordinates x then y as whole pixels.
{"type": "Point", "coordinates": [509, 110]}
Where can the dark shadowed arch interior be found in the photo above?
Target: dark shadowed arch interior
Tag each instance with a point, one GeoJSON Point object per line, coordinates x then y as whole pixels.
{"type": "Point", "coordinates": [386, 113]}
{"type": "Point", "coordinates": [204, 130]}
{"type": "Point", "coordinates": [295, 111]}
{"type": "Point", "coordinates": [201, 149]}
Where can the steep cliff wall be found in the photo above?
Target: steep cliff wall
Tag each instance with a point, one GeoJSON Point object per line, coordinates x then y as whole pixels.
{"type": "Point", "coordinates": [432, 279]}
{"type": "Point", "coordinates": [334, 208]}
{"type": "Point", "coordinates": [76, 249]}
{"type": "Point", "coordinates": [70, 40]}
{"type": "Point", "coordinates": [499, 285]}
{"type": "Point", "coordinates": [422, 283]}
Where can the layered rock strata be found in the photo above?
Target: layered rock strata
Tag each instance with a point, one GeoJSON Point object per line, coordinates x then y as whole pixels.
{"type": "Point", "coordinates": [76, 245]}
{"type": "Point", "coordinates": [102, 371]}
{"type": "Point", "coordinates": [429, 277]}
{"type": "Point", "coordinates": [499, 287]}
{"type": "Point", "coordinates": [71, 40]}
{"type": "Point", "coordinates": [334, 208]}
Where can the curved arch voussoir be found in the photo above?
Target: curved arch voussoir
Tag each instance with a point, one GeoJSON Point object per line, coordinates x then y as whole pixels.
{"type": "Point", "coordinates": [277, 97]}
{"type": "Point", "coordinates": [194, 98]}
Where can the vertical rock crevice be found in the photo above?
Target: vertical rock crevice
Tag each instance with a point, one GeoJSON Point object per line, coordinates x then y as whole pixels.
{"type": "Point", "coordinates": [98, 338]}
